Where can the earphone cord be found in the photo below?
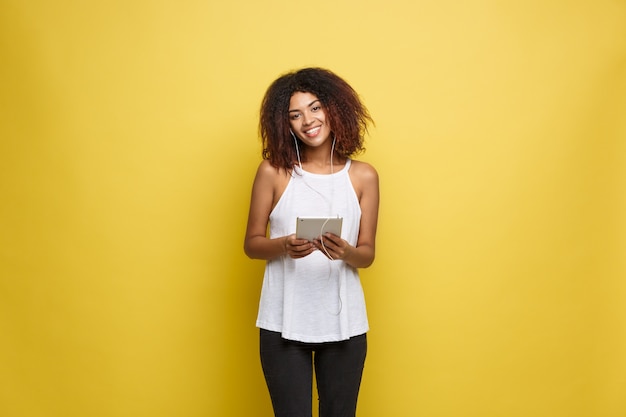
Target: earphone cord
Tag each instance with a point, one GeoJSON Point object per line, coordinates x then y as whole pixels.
{"type": "Point", "coordinates": [332, 171]}
{"type": "Point", "coordinates": [322, 240]}
{"type": "Point", "coordinates": [330, 203]}
{"type": "Point", "coordinates": [297, 149]}
{"type": "Point", "coordinates": [332, 193]}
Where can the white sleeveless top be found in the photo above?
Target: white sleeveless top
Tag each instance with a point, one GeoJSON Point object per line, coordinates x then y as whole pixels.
{"type": "Point", "coordinates": [314, 299]}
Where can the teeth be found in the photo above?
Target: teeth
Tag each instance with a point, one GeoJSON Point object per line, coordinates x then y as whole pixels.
{"type": "Point", "coordinates": [315, 129]}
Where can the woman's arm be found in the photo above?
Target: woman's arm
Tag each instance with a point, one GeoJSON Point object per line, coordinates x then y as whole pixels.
{"type": "Point", "coordinates": [365, 181]}
{"type": "Point", "coordinates": [268, 185]}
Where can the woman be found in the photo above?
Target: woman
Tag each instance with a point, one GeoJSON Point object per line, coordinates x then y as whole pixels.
{"type": "Point", "coordinates": [312, 309]}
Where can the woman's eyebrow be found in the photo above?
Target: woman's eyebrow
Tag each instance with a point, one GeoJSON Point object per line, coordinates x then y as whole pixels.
{"type": "Point", "coordinates": [309, 105]}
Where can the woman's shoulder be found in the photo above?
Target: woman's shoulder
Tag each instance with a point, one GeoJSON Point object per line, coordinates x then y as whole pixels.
{"type": "Point", "coordinates": [267, 171]}
{"type": "Point", "coordinates": [266, 167]}
{"type": "Point", "coordinates": [363, 170]}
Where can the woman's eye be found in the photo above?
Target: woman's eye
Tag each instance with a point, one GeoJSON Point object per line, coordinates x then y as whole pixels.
{"type": "Point", "coordinates": [316, 108]}
{"type": "Point", "coordinates": [295, 116]}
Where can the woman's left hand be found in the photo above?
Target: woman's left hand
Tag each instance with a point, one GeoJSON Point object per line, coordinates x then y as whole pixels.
{"type": "Point", "coordinates": [332, 246]}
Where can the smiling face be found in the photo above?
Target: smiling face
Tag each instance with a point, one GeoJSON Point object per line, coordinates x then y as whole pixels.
{"type": "Point", "coordinates": [307, 119]}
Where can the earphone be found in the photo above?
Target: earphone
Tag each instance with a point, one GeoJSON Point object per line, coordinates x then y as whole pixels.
{"type": "Point", "coordinates": [332, 188]}
{"type": "Point", "coordinates": [295, 140]}
{"type": "Point", "coordinates": [332, 150]}
{"type": "Point", "coordinates": [330, 204]}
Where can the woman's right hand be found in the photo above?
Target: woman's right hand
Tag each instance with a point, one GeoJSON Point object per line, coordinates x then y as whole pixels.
{"type": "Point", "coordinates": [298, 248]}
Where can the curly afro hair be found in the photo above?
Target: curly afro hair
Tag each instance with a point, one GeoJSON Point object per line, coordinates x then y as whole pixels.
{"type": "Point", "coordinates": [346, 114]}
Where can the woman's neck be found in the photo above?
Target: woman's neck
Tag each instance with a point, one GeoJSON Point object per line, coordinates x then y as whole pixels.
{"type": "Point", "coordinates": [319, 163]}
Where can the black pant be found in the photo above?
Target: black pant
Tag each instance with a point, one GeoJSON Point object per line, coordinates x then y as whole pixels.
{"type": "Point", "coordinates": [288, 368]}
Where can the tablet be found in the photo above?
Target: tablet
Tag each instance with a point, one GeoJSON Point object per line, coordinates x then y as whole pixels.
{"type": "Point", "coordinates": [313, 227]}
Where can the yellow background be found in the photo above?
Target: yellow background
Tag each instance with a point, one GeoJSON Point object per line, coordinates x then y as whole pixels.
{"type": "Point", "coordinates": [128, 148]}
